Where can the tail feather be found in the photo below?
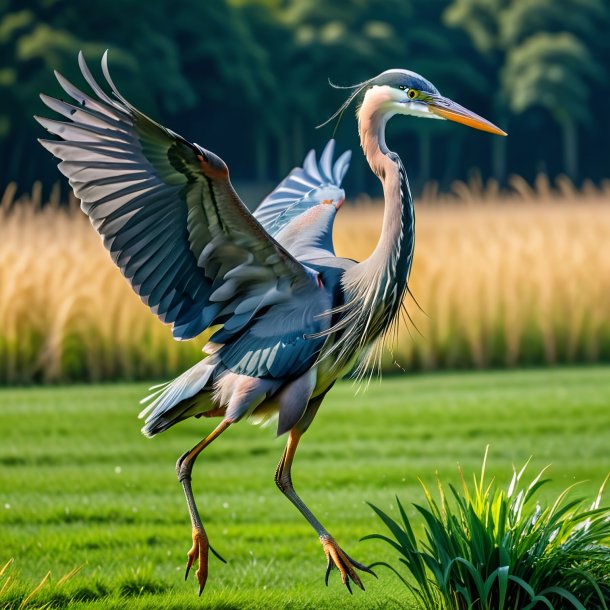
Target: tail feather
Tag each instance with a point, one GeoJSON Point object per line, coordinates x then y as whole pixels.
{"type": "Point", "coordinates": [169, 402]}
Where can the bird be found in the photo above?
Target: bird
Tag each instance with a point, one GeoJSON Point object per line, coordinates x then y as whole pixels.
{"type": "Point", "coordinates": [289, 317]}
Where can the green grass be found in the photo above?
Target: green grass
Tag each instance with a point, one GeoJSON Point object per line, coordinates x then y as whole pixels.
{"type": "Point", "coordinates": [79, 485]}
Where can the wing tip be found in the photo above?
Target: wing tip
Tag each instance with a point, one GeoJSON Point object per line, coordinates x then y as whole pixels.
{"type": "Point", "coordinates": [325, 165]}
{"type": "Point", "coordinates": [48, 144]}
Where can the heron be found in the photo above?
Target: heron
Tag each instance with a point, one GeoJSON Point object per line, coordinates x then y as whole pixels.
{"type": "Point", "coordinates": [289, 317]}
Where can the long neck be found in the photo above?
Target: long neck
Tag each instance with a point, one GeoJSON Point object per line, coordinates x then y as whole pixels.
{"type": "Point", "coordinates": [390, 262]}
{"type": "Point", "coordinates": [374, 289]}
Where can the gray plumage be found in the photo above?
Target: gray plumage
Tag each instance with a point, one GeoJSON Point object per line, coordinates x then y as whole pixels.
{"type": "Point", "coordinates": [290, 316]}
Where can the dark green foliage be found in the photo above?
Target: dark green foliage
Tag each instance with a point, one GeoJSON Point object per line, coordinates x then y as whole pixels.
{"type": "Point", "coordinates": [248, 78]}
{"type": "Point", "coordinates": [543, 55]}
{"type": "Point", "coordinates": [490, 549]}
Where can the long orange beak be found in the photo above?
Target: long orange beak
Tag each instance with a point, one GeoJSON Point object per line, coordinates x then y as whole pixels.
{"type": "Point", "coordinates": [446, 108]}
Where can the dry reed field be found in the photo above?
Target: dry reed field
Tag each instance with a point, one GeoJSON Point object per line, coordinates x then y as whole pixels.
{"type": "Point", "coordinates": [512, 278]}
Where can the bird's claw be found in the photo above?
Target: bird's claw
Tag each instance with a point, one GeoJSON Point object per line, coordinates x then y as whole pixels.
{"type": "Point", "coordinates": [198, 551]}
{"type": "Point", "coordinates": [217, 554]}
{"type": "Point", "coordinates": [336, 557]}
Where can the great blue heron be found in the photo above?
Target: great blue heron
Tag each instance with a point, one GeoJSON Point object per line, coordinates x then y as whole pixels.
{"type": "Point", "coordinates": [293, 317]}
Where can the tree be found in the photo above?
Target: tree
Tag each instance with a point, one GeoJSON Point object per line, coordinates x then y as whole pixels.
{"type": "Point", "coordinates": [543, 48]}
{"type": "Point", "coordinates": [551, 63]}
{"type": "Point", "coordinates": [254, 72]}
{"type": "Point", "coordinates": [47, 37]}
{"type": "Point", "coordinates": [554, 71]}
{"type": "Point", "coordinates": [481, 21]}
{"type": "Point", "coordinates": [353, 41]}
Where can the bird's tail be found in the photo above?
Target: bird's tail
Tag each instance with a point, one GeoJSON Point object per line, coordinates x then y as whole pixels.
{"type": "Point", "coordinates": [176, 400]}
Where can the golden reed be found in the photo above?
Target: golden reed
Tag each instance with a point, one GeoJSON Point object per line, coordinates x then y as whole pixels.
{"type": "Point", "coordinates": [512, 278]}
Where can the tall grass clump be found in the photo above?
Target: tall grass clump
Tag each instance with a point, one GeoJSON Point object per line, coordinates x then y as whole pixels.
{"type": "Point", "coordinates": [512, 278]}
{"type": "Point", "coordinates": [489, 549]}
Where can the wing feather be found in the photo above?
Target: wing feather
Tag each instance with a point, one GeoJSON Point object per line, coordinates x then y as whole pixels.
{"type": "Point", "coordinates": [289, 213]}
{"type": "Point", "coordinates": [173, 224]}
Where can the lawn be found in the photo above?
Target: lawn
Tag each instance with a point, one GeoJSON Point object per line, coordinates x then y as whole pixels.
{"type": "Point", "coordinates": [80, 487]}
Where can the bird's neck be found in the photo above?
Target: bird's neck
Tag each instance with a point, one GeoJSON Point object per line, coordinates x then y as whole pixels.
{"type": "Point", "coordinates": [398, 215]}
{"type": "Point", "coordinates": [388, 267]}
{"type": "Point", "coordinates": [373, 289]}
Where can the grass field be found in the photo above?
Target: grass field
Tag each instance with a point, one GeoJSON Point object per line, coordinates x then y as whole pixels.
{"type": "Point", "coordinates": [81, 488]}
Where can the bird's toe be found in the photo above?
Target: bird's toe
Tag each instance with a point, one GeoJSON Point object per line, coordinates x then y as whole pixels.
{"type": "Point", "coordinates": [198, 553]}
{"type": "Point", "coordinates": [336, 557]}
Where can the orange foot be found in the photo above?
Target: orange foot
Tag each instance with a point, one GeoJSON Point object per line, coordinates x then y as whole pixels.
{"type": "Point", "coordinates": [198, 552]}
{"type": "Point", "coordinates": [347, 567]}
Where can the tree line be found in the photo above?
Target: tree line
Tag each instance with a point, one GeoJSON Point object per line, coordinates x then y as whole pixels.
{"type": "Point", "coordinates": [249, 78]}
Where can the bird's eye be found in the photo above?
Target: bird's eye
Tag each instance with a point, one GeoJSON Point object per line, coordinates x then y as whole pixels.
{"type": "Point", "coordinates": [412, 94]}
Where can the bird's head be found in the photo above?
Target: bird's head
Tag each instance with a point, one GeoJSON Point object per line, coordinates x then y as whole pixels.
{"type": "Point", "coordinates": [404, 92]}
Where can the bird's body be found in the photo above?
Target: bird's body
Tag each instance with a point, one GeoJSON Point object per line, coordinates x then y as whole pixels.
{"type": "Point", "coordinates": [261, 374]}
{"type": "Point", "coordinates": [291, 316]}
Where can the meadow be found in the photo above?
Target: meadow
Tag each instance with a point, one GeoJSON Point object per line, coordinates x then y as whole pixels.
{"type": "Point", "coordinates": [518, 277]}
{"type": "Point", "coordinates": [84, 496]}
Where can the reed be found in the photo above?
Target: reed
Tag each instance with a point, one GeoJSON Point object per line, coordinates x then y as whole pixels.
{"type": "Point", "coordinates": [66, 313]}
{"type": "Point", "coordinates": [506, 278]}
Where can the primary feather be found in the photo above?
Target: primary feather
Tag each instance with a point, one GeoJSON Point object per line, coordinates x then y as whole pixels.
{"type": "Point", "coordinates": [173, 224]}
{"type": "Point", "coordinates": [304, 188]}
{"type": "Point", "coordinates": [167, 213]}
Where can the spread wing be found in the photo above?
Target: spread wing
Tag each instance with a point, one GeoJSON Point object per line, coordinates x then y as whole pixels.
{"type": "Point", "coordinates": [169, 216]}
{"type": "Point", "coordinates": [300, 212]}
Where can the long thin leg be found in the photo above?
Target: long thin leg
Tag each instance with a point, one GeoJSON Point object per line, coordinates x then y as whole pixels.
{"type": "Point", "coordinates": [201, 545]}
{"type": "Point", "coordinates": [334, 555]}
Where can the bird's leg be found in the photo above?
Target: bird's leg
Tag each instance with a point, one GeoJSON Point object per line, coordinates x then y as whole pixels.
{"type": "Point", "coordinates": [334, 555]}
{"type": "Point", "coordinates": [201, 546]}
